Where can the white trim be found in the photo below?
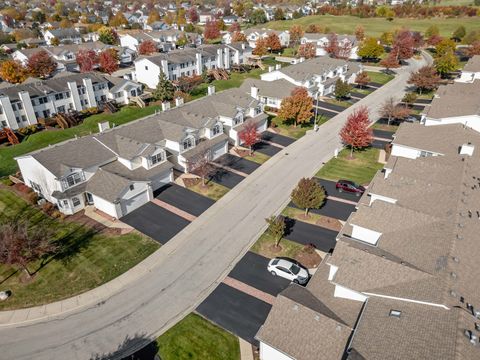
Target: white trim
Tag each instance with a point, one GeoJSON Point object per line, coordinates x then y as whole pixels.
{"type": "Point", "coordinates": [408, 300]}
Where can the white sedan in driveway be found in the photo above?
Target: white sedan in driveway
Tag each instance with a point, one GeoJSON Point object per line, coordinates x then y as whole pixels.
{"type": "Point", "coordinates": [288, 270]}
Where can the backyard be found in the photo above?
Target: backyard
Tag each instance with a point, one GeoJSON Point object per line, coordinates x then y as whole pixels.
{"type": "Point", "coordinates": [86, 258]}
{"type": "Point", "coordinates": [376, 26]}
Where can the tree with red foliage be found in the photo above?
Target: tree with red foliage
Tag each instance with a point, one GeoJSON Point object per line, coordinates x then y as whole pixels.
{"type": "Point", "coordinates": [426, 78]}
{"type": "Point", "coordinates": [362, 79]}
{"type": "Point", "coordinates": [186, 84]}
{"type": "Point", "coordinates": [192, 15]}
{"type": "Point", "coordinates": [356, 132]}
{"type": "Point", "coordinates": [417, 40]}
{"type": "Point", "coordinates": [307, 50]}
{"type": "Point", "coordinates": [239, 37]}
{"type": "Point", "coordinates": [234, 27]}
{"type": "Point", "coordinates": [249, 136]}
{"type": "Point", "coordinates": [273, 42]}
{"type": "Point", "coordinates": [331, 46]}
{"type": "Point", "coordinates": [344, 49]}
{"type": "Point", "coordinates": [147, 47]}
{"type": "Point", "coordinates": [41, 64]}
{"type": "Point", "coordinates": [390, 62]}
{"type": "Point", "coordinates": [108, 60]}
{"type": "Point", "coordinates": [403, 45]}
{"type": "Point", "coordinates": [434, 40]}
{"type": "Point", "coordinates": [86, 60]}
{"type": "Point", "coordinates": [297, 107]}
{"type": "Point", "coordinates": [260, 47]}
{"type": "Point", "coordinates": [211, 30]}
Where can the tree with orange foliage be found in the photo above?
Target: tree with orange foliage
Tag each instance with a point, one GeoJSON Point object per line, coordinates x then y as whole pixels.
{"type": "Point", "coordinates": [296, 33]}
{"type": "Point", "coordinates": [235, 27]}
{"type": "Point", "coordinates": [360, 32]}
{"type": "Point", "coordinates": [41, 64]}
{"type": "Point", "coordinates": [356, 132]}
{"type": "Point", "coordinates": [403, 45]}
{"type": "Point", "coordinates": [147, 47]}
{"type": "Point", "coordinates": [297, 107]}
{"type": "Point", "coordinates": [260, 47]}
{"type": "Point", "coordinates": [307, 50]}
{"type": "Point", "coordinates": [331, 46]}
{"type": "Point", "coordinates": [239, 37]}
{"type": "Point", "coordinates": [249, 136]}
{"type": "Point", "coordinates": [362, 79]}
{"type": "Point", "coordinates": [108, 60]}
{"type": "Point", "coordinates": [390, 62]}
{"type": "Point", "coordinates": [12, 71]}
{"type": "Point", "coordinates": [273, 42]}
{"type": "Point", "coordinates": [473, 49]}
{"type": "Point", "coordinates": [211, 30]}
{"type": "Point", "coordinates": [86, 60]}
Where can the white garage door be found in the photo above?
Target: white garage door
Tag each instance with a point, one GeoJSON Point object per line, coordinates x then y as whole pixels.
{"type": "Point", "coordinates": [128, 205]}
{"type": "Point", "coordinates": [160, 181]}
{"type": "Point", "coordinates": [262, 126]}
{"type": "Point", "coordinates": [218, 150]}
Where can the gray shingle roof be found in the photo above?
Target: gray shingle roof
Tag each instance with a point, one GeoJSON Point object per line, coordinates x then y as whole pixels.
{"type": "Point", "coordinates": [473, 64]}
{"type": "Point", "coordinates": [311, 67]}
{"type": "Point", "coordinates": [275, 89]}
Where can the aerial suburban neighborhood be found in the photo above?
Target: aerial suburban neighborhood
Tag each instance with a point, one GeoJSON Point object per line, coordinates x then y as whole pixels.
{"type": "Point", "coordinates": [239, 180]}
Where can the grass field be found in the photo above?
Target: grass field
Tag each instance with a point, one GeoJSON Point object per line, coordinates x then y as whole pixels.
{"type": "Point", "coordinates": [195, 338]}
{"type": "Point", "coordinates": [361, 169]}
{"type": "Point", "coordinates": [376, 26]}
{"type": "Point", "coordinates": [42, 139]}
{"type": "Point", "coordinates": [85, 261]}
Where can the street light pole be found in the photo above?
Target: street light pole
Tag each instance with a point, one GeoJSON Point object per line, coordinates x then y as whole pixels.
{"type": "Point", "coordinates": [315, 126]}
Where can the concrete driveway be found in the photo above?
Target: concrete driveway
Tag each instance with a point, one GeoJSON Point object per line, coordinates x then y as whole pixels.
{"type": "Point", "coordinates": [238, 163]}
{"type": "Point", "coordinates": [156, 222]}
{"type": "Point", "coordinates": [277, 138]}
{"type": "Point", "coordinates": [304, 233]}
{"type": "Point", "coordinates": [226, 178]}
{"type": "Point", "coordinates": [235, 311]}
{"type": "Point", "coordinates": [184, 199]}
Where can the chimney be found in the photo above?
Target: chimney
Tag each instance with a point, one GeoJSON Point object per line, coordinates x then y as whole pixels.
{"type": "Point", "coordinates": [178, 101]}
{"type": "Point", "coordinates": [103, 126]}
{"type": "Point", "coordinates": [165, 105]}
{"type": "Point", "coordinates": [254, 91]}
{"type": "Point", "coordinates": [270, 68]}
{"type": "Point", "coordinates": [211, 89]}
{"type": "Point", "coordinates": [278, 66]}
{"type": "Point", "coordinates": [467, 149]}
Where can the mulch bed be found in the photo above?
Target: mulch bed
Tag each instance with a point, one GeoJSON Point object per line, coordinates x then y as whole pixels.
{"type": "Point", "coordinates": [189, 182]}
{"type": "Point", "coordinates": [308, 258]}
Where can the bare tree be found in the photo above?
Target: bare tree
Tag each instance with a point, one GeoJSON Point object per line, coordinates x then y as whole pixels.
{"type": "Point", "coordinates": [200, 165]}
{"type": "Point", "coordinates": [392, 110]}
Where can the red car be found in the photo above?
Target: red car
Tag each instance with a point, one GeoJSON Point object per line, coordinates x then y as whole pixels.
{"type": "Point", "coordinates": [349, 186]}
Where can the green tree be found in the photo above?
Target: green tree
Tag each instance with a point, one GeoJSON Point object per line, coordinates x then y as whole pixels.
{"type": "Point", "coordinates": [446, 63]}
{"type": "Point", "coordinates": [308, 194]}
{"type": "Point", "coordinates": [107, 35]}
{"type": "Point", "coordinates": [432, 30]}
{"type": "Point", "coordinates": [445, 46]}
{"type": "Point", "coordinates": [370, 49]}
{"type": "Point", "coordinates": [164, 90]}
{"type": "Point", "coordinates": [276, 228]}
{"type": "Point", "coordinates": [387, 38]}
{"type": "Point", "coordinates": [258, 17]}
{"type": "Point", "coordinates": [278, 14]}
{"type": "Point", "coordinates": [342, 89]}
{"type": "Point", "coordinates": [459, 33]}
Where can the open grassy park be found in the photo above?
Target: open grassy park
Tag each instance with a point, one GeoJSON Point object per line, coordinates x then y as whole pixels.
{"type": "Point", "coordinates": [376, 26]}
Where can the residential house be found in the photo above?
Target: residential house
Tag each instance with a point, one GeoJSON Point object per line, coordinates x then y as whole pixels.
{"type": "Point", "coordinates": [166, 40]}
{"type": "Point", "coordinates": [156, 26]}
{"type": "Point", "coordinates": [6, 24]}
{"type": "Point", "coordinates": [400, 282]}
{"type": "Point", "coordinates": [67, 36]}
{"type": "Point", "coordinates": [454, 104]}
{"type": "Point", "coordinates": [23, 104]}
{"type": "Point", "coordinates": [189, 62]}
{"type": "Point", "coordinates": [118, 170]}
{"type": "Point", "coordinates": [471, 70]}
{"type": "Point", "coordinates": [205, 17]}
{"type": "Point", "coordinates": [323, 40]}
{"type": "Point", "coordinates": [253, 35]}
{"type": "Point", "coordinates": [318, 75]}
{"type": "Point", "coordinates": [269, 93]}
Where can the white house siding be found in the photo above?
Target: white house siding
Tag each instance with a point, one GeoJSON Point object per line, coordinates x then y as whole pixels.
{"type": "Point", "coordinates": [472, 121]}
{"type": "Point", "coordinates": [364, 234]}
{"type": "Point", "coordinates": [147, 72]}
{"type": "Point", "coordinates": [346, 293]}
{"type": "Point", "coordinates": [219, 150]}
{"type": "Point", "coordinates": [129, 42]}
{"type": "Point", "coordinates": [468, 77]}
{"type": "Point", "coordinates": [269, 353]}
{"type": "Point", "coordinates": [106, 206]}
{"type": "Point", "coordinates": [162, 180]}
{"type": "Point", "coordinates": [374, 197]}
{"type": "Point", "coordinates": [404, 151]}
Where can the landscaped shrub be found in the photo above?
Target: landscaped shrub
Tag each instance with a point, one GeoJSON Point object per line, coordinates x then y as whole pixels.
{"type": "Point", "coordinates": [58, 215]}
{"type": "Point", "coordinates": [48, 208]}
{"type": "Point", "coordinates": [32, 198]}
{"type": "Point", "coordinates": [23, 188]}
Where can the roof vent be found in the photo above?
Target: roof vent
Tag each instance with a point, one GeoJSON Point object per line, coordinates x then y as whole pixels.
{"type": "Point", "coordinates": [477, 326]}
{"type": "Point", "coordinates": [317, 317]}
{"type": "Point", "coordinates": [453, 275]}
{"type": "Point", "coordinates": [295, 307]}
{"type": "Point", "coordinates": [395, 313]}
{"type": "Point", "coordinates": [471, 336]}
{"type": "Point", "coordinates": [467, 149]}
{"type": "Point", "coordinates": [477, 314]}
{"type": "Point", "coordinates": [453, 293]}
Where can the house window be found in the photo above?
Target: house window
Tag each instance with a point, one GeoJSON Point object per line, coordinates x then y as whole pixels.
{"type": "Point", "coordinates": [58, 96]}
{"type": "Point", "coordinates": [146, 67]}
{"type": "Point", "coordinates": [46, 113]}
{"type": "Point", "coordinates": [76, 202]}
{"type": "Point", "coordinates": [61, 109]}
{"type": "Point", "coordinates": [37, 188]}
{"type": "Point", "coordinates": [188, 143]}
{"type": "Point", "coordinates": [425, 153]}
{"type": "Point", "coordinates": [157, 158]}
{"type": "Point", "coordinates": [1, 110]}
{"type": "Point", "coordinates": [72, 179]}
{"type": "Point", "coordinates": [65, 203]}
{"type": "Point", "coordinates": [19, 106]}
{"type": "Point", "coordinates": [4, 123]}
{"type": "Point", "coordinates": [216, 130]}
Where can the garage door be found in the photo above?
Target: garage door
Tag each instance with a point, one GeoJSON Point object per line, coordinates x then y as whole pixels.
{"type": "Point", "coordinates": [160, 181]}
{"type": "Point", "coordinates": [218, 150]}
{"type": "Point", "coordinates": [262, 126]}
{"type": "Point", "coordinates": [133, 203]}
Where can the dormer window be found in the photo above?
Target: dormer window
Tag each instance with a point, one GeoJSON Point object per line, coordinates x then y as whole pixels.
{"type": "Point", "coordinates": [188, 143]}
{"type": "Point", "coordinates": [216, 130]}
{"type": "Point", "coordinates": [157, 158]}
{"type": "Point", "coordinates": [73, 179]}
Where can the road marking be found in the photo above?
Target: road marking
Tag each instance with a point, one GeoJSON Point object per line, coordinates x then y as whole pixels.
{"type": "Point", "coordinates": [175, 210]}
{"type": "Point", "coordinates": [273, 144]}
{"type": "Point", "coordinates": [249, 290]}
{"type": "Point", "coordinates": [334, 198]}
{"type": "Point", "coordinates": [228, 168]}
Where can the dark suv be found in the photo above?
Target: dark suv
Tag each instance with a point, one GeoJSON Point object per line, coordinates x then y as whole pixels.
{"type": "Point", "coordinates": [349, 186]}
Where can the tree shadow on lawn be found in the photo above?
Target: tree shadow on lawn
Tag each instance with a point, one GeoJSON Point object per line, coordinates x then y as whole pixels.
{"type": "Point", "coordinates": [138, 347]}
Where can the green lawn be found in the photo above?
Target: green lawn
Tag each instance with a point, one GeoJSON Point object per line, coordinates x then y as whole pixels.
{"type": "Point", "coordinates": [298, 214]}
{"type": "Point", "coordinates": [212, 190]}
{"type": "Point", "coordinates": [376, 26]}
{"type": "Point", "coordinates": [195, 338]}
{"type": "Point", "coordinates": [289, 130]}
{"type": "Point", "coordinates": [341, 103]}
{"type": "Point", "coordinates": [257, 157]}
{"type": "Point", "coordinates": [42, 139]}
{"type": "Point", "coordinates": [361, 169]}
{"type": "Point", "coordinates": [265, 244]}
{"type": "Point", "coordinates": [379, 77]}
{"type": "Point", "coordinates": [85, 261]}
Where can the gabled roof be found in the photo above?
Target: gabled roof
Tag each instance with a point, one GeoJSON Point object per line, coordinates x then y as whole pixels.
{"type": "Point", "coordinates": [473, 64]}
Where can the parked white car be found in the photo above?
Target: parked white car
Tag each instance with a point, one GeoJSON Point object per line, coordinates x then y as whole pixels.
{"type": "Point", "coordinates": [288, 270]}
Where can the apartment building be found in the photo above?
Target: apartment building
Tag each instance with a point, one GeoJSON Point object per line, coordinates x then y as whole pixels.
{"type": "Point", "coordinates": [166, 40]}
{"type": "Point", "coordinates": [189, 62]}
{"type": "Point", "coordinates": [23, 104]}
{"type": "Point", "coordinates": [322, 40]}
{"type": "Point", "coordinates": [67, 36]}
{"type": "Point", "coordinates": [117, 170]}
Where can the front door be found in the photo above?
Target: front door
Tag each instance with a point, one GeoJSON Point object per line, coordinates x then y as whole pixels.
{"type": "Point", "coordinates": [88, 198]}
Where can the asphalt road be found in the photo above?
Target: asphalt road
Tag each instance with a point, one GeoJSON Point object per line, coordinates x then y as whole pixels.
{"type": "Point", "coordinates": [156, 222]}
{"type": "Point", "coordinates": [327, 113]}
{"type": "Point", "coordinates": [304, 233]}
{"type": "Point", "coordinates": [184, 199]}
{"type": "Point", "coordinates": [157, 293]}
{"type": "Point", "coordinates": [379, 144]}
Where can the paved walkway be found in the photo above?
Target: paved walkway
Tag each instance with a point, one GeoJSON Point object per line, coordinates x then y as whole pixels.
{"type": "Point", "coordinates": [175, 210]}
{"type": "Point", "coordinates": [273, 144]}
{"type": "Point", "coordinates": [148, 299]}
{"type": "Point", "coordinates": [249, 290]}
{"type": "Point", "coordinates": [228, 168]}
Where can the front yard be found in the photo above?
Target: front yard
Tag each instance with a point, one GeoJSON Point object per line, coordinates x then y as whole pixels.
{"type": "Point", "coordinates": [197, 338]}
{"type": "Point", "coordinates": [257, 157]}
{"type": "Point", "coordinates": [289, 130]}
{"type": "Point", "coordinates": [360, 169]}
{"type": "Point", "coordinates": [211, 189]}
{"type": "Point", "coordinates": [86, 260]}
{"type": "Point", "coordinates": [379, 77]}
